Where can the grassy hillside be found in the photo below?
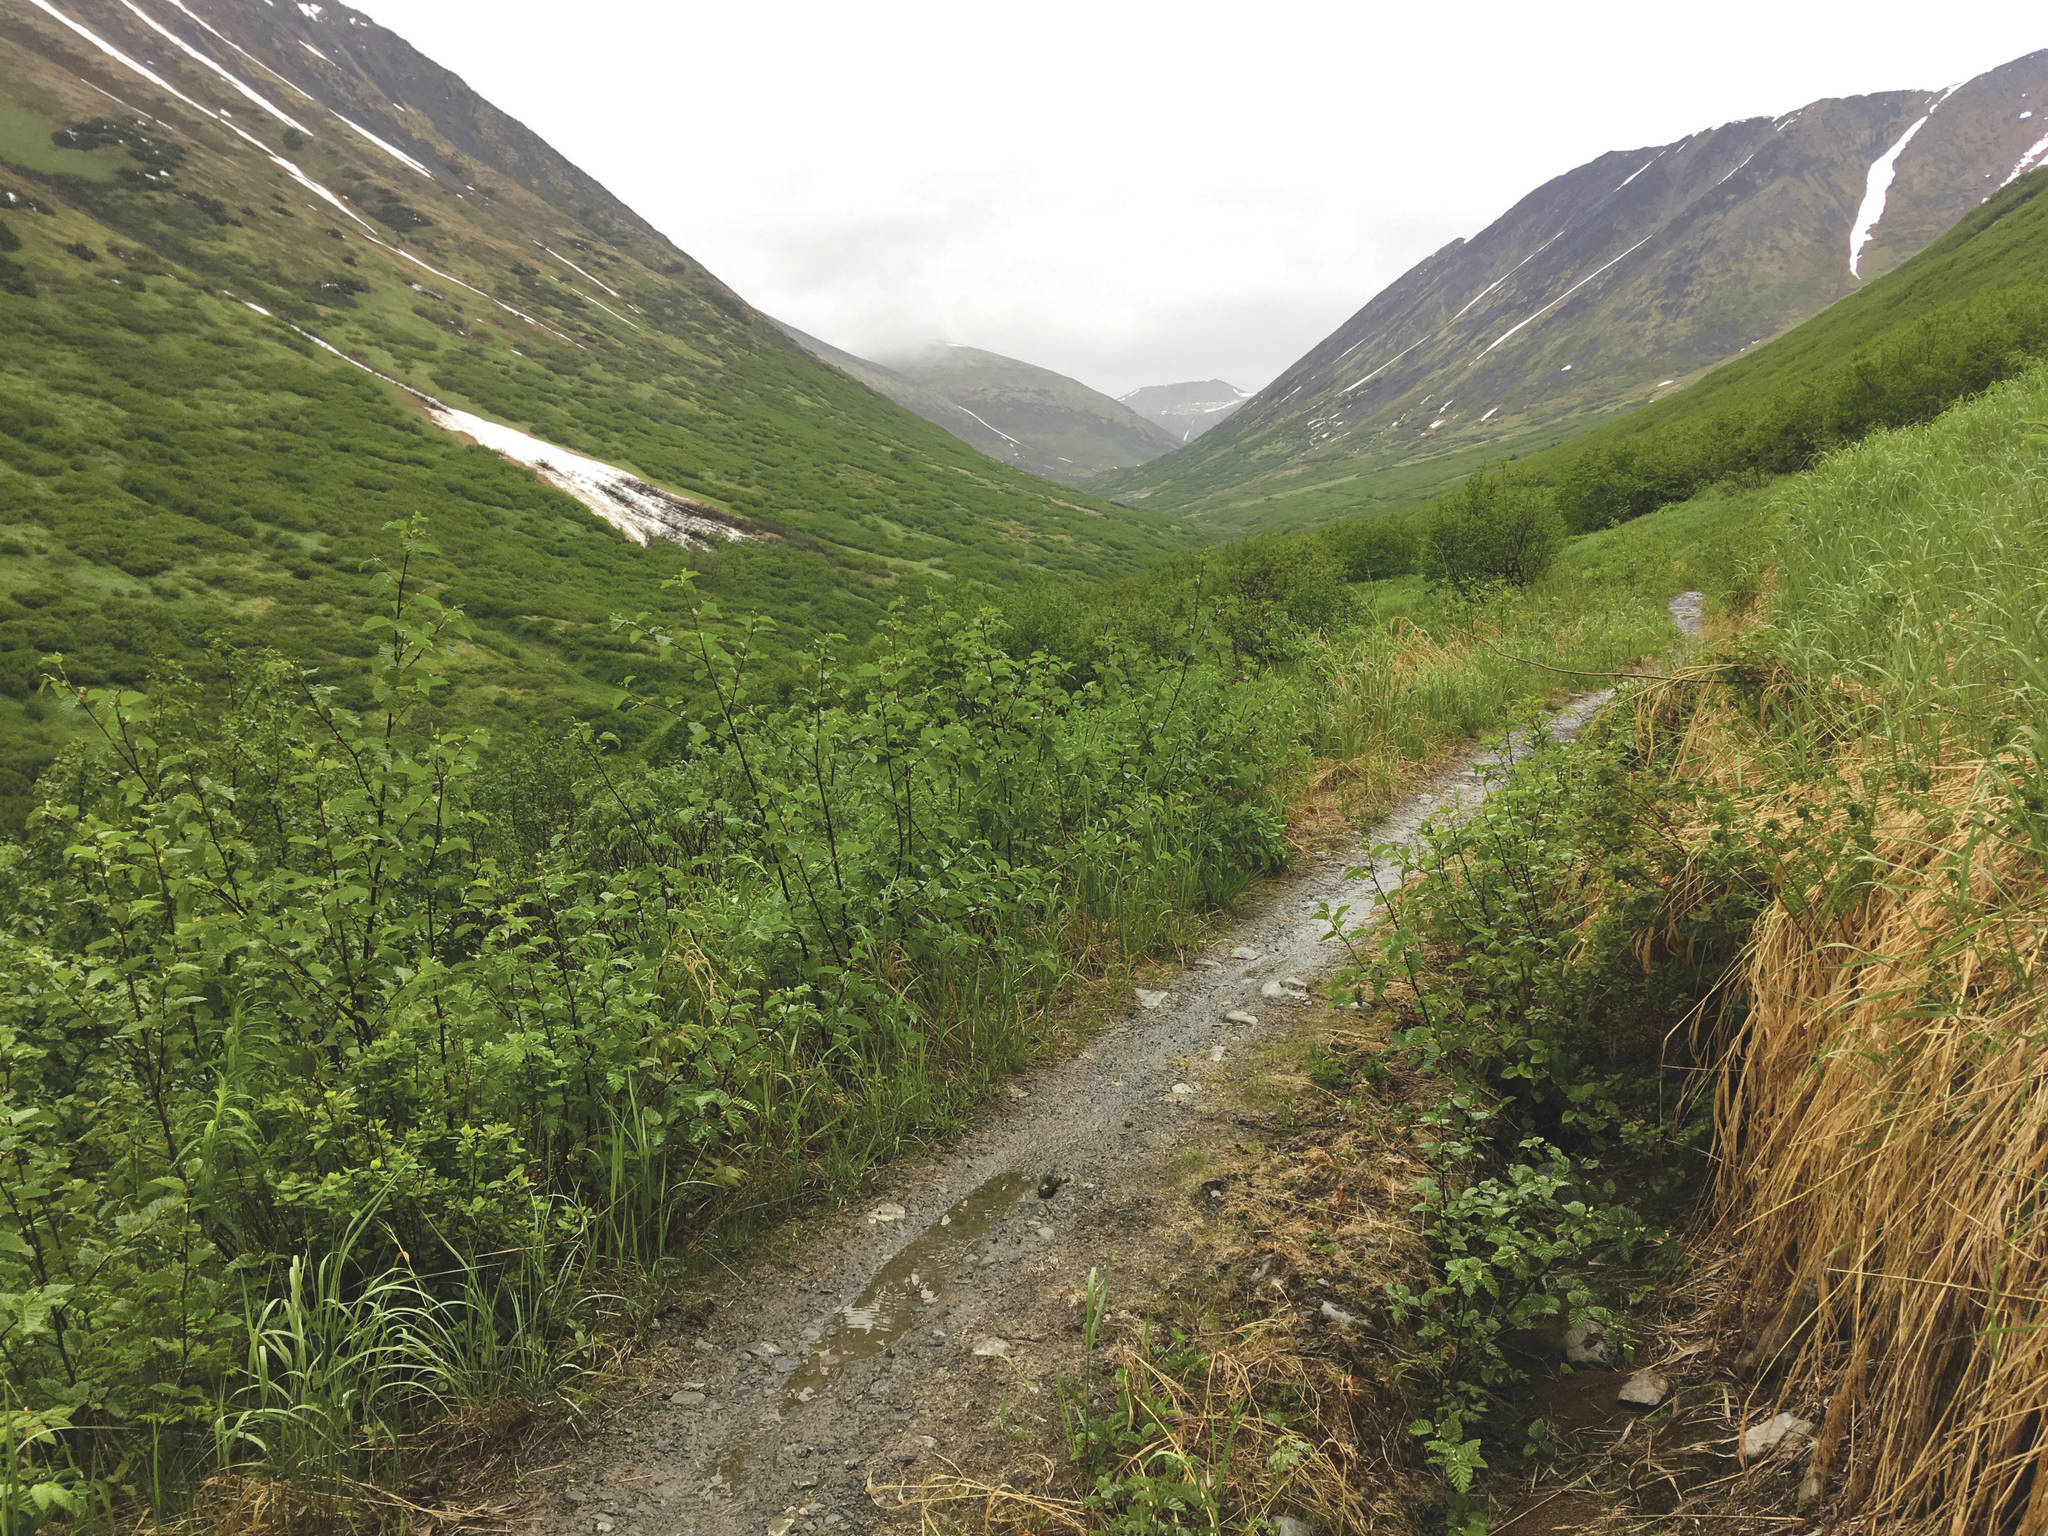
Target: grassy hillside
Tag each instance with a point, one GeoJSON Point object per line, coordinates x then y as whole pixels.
{"type": "Point", "coordinates": [179, 468]}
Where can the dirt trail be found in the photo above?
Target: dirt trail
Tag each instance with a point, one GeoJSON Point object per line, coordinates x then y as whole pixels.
{"type": "Point", "coordinates": [901, 1326]}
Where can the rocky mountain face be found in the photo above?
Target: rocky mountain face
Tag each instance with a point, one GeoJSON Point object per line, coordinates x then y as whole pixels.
{"type": "Point", "coordinates": [1187, 410]}
{"type": "Point", "coordinates": [1024, 415]}
{"type": "Point", "coordinates": [1600, 290]}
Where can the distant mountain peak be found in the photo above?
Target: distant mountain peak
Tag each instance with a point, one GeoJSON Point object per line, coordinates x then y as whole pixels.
{"type": "Point", "coordinates": [1014, 411]}
{"type": "Point", "coordinates": [1187, 410]}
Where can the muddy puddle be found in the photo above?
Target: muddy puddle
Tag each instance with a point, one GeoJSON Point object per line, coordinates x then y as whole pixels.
{"type": "Point", "coordinates": [881, 1314]}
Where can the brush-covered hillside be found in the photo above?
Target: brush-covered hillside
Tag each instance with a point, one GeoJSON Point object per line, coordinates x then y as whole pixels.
{"type": "Point", "coordinates": [1610, 286]}
{"type": "Point", "coordinates": [266, 274]}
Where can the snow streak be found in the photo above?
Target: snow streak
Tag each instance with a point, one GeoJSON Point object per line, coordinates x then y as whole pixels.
{"type": "Point", "coordinates": [2028, 161]}
{"type": "Point", "coordinates": [179, 43]}
{"type": "Point", "coordinates": [1876, 189]}
{"type": "Point", "coordinates": [999, 432]}
{"type": "Point", "coordinates": [565, 261]}
{"type": "Point", "coordinates": [1575, 287]}
{"type": "Point", "coordinates": [392, 150]}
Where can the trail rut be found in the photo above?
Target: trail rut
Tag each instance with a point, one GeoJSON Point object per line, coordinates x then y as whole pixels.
{"type": "Point", "coordinates": [820, 1376]}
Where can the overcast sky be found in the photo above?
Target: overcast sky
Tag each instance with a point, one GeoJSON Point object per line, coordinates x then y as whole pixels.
{"type": "Point", "coordinates": [1137, 193]}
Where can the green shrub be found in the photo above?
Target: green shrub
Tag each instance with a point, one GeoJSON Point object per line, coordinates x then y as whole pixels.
{"type": "Point", "coordinates": [1271, 593]}
{"type": "Point", "coordinates": [1492, 531]}
{"type": "Point", "coordinates": [1374, 548]}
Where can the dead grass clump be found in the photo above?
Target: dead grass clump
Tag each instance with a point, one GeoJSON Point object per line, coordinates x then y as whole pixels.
{"type": "Point", "coordinates": [232, 1504]}
{"type": "Point", "coordinates": [1882, 1119]}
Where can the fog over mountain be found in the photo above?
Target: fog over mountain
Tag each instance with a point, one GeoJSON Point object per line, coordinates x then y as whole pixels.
{"type": "Point", "coordinates": [1135, 194]}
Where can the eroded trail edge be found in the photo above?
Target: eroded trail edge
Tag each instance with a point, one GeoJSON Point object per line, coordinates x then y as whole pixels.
{"type": "Point", "coordinates": [817, 1377]}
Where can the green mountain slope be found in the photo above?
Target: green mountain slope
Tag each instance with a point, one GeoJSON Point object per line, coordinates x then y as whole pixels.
{"type": "Point", "coordinates": [202, 205]}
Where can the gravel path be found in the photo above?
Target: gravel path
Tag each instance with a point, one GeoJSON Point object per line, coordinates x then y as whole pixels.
{"type": "Point", "coordinates": [816, 1374]}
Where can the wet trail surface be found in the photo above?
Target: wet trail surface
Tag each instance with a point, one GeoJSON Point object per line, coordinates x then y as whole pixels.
{"type": "Point", "coordinates": [818, 1376]}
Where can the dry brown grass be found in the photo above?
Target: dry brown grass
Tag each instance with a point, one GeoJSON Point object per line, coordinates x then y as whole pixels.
{"type": "Point", "coordinates": [1882, 1120]}
{"type": "Point", "coordinates": [234, 1505]}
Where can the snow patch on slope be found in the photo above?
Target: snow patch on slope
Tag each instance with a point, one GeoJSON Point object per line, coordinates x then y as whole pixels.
{"type": "Point", "coordinates": [1877, 187]}
{"type": "Point", "coordinates": [186, 48]}
{"type": "Point", "coordinates": [1640, 169]}
{"type": "Point", "coordinates": [2027, 162]}
{"type": "Point", "coordinates": [565, 261]}
{"type": "Point", "coordinates": [638, 510]}
{"type": "Point", "coordinates": [1739, 165]}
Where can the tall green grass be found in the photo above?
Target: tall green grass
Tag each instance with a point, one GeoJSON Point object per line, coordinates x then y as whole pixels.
{"type": "Point", "coordinates": [1916, 566]}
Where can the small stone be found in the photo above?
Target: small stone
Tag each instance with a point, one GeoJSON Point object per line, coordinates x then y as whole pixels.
{"type": "Point", "coordinates": [1182, 1090]}
{"type": "Point", "coordinates": [1244, 953]}
{"type": "Point", "coordinates": [783, 1526]}
{"type": "Point", "coordinates": [808, 1480]}
{"type": "Point", "coordinates": [1294, 984]}
{"type": "Point", "coordinates": [1272, 989]}
{"type": "Point", "coordinates": [686, 1399]}
{"type": "Point", "coordinates": [1644, 1389]}
{"type": "Point", "coordinates": [1587, 1345]}
{"type": "Point", "coordinates": [1761, 1439]}
{"type": "Point", "coordinates": [765, 1349]}
{"type": "Point", "coordinates": [1045, 1234]}
{"type": "Point", "coordinates": [887, 1211]}
{"type": "Point", "coordinates": [1287, 1525]}
{"type": "Point", "coordinates": [1215, 1053]}
{"type": "Point", "coordinates": [1332, 1313]}
{"type": "Point", "coordinates": [993, 1348]}
{"type": "Point", "coordinates": [1810, 1490]}
{"type": "Point", "coordinates": [601, 1526]}
{"type": "Point", "coordinates": [1210, 965]}
{"type": "Point", "coordinates": [787, 1364]}
{"type": "Point", "coordinates": [1151, 999]}
{"type": "Point", "coordinates": [926, 1442]}
{"type": "Point", "coordinates": [574, 1495]}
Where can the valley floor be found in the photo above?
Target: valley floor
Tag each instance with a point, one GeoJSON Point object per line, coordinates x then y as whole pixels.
{"type": "Point", "coordinates": [920, 1336]}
